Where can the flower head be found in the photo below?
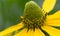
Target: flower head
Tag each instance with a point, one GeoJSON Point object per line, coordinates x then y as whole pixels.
{"type": "Point", "coordinates": [35, 21]}
{"type": "Point", "coordinates": [33, 15]}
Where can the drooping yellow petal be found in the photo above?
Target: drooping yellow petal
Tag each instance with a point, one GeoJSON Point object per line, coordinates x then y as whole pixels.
{"type": "Point", "coordinates": [51, 31]}
{"type": "Point", "coordinates": [21, 33]}
{"type": "Point", "coordinates": [30, 33]}
{"type": "Point", "coordinates": [48, 5]}
{"type": "Point", "coordinates": [10, 34]}
{"type": "Point", "coordinates": [38, 32]}
{"type": "Point", "coordinates": [53, 20]}
{"type": "Point", "coordinates": [12, 29]}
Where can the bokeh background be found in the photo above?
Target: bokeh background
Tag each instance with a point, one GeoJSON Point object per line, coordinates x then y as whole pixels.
{"type": "Point", "coordinates": [11, 10]}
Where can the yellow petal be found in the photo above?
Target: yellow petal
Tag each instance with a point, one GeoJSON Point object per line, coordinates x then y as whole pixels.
{"type": "Point", "coordinates": [30, 33]}
{"type": "Point", "coordinates": [38, 32]}
{"type": "Point", "coordinates": [51, 31]}
{"type": "Point", "coordinates": [12, 29]}
{"type": "Point", "coordinates": [53, 20]}
{"type": "Point", "coordinates": [21, 33]}
{"type": "Point", "coordinates": [48, 5]}
{"type": "Point", "coordinates": [8, 34]}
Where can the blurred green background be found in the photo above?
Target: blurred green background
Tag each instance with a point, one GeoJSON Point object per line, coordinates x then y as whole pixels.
{"type": "Point", "coordinates": [11, 10]}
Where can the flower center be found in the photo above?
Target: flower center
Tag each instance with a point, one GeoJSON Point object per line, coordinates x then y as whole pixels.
{"type": "Point", "coordinates": [34, 23]}
{"type": "Point", "coordinates": [33, 16]}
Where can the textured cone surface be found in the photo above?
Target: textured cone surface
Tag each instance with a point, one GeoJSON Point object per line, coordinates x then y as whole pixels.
{"type": "Point", "coordinates": [32, 11]}
{"type": "Point", "coordinates": [33, 15]}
